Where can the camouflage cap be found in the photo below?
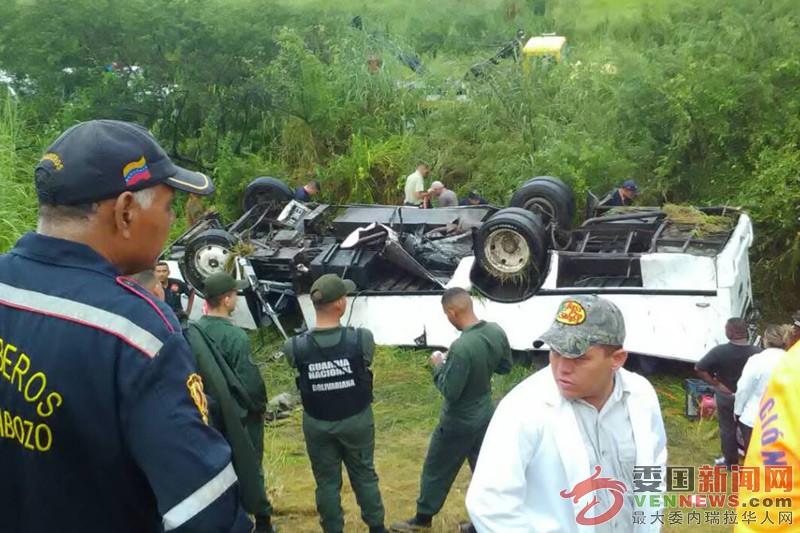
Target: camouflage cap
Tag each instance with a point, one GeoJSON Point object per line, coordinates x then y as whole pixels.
{"type": "Point", "coordinates": [582, 322]}
{"type": "Point", "coordinates": [329, 288]}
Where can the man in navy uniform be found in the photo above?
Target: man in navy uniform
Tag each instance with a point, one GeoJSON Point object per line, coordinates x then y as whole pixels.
{"type": "Point", "coordinates": [473, 198]}
{"type": "Point", "coordinates": [621, 197]}
{"type": "Point", "coordinates": [104, 416]}
{"type": "Point", "coordinates": [308, 190]}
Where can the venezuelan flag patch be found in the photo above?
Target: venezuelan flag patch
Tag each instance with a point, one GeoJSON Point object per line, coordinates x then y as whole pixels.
{"type": "Point", "coordinates": [135, 172]}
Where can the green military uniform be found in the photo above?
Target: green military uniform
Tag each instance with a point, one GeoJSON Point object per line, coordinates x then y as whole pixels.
{"type": "Point", "coordinates": [234, 346]}
{"type": "Point", "coordinates": [228, 403]}
{"type": "Point", "coordinates": [465, 381]}
{"type": "Point", "coordinates": [351, 440]}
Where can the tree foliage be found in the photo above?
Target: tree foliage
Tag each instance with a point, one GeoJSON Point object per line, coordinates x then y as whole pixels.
{"type": "Point", "coordinates": [698, 101]}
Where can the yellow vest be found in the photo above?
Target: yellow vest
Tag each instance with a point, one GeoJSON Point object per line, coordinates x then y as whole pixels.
{"type": "Point", "coordinates": [774, 454]}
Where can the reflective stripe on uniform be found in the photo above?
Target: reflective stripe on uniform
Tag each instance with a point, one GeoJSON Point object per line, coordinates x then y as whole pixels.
{"type": "Point", "coordinates": [200, 499]}
{"type": "Point", "coordinates": [81, 313]}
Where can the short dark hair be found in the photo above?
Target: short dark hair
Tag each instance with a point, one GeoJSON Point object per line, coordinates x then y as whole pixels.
{"type": "Point", "coordinates": [736, 329]}
{"type": "Point", "coordinates": [215, 301]}
{"type": "Point", "coordinates": [162, 263]}
{"type": "Point", "coordinates": [315, 184]}
{"type": "Point", "coordinates": [145, 278]}
{"type": "Point", "coordinates": [323, 306]}
{"type": "Point", "coordinates": [452, 294]}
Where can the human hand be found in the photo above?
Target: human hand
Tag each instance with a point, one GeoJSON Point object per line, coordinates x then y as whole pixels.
{"type": "Point", "coordinates": [437, 358]}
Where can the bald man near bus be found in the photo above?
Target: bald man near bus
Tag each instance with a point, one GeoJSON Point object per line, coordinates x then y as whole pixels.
{"type": "Point", "coordinates": [464, 377]}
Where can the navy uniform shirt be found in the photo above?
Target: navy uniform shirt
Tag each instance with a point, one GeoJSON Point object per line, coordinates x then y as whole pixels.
{"type": "Point", "coordinates": [301, 195]}
{"type": "Point", "coordinates": [481, 201]}
{"type": "Point", "coordinates": [172, 294]}
{"type": "Point", "coordinates": [615, 199]}
{"type": "Point", "coordinates": [103, 415]}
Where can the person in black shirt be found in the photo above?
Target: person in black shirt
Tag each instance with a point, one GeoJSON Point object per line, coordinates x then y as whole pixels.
{"type": "Point", "coordinates": [304, 193]}
{"type": "Point", "coordinates": [173, 289]}
{"type": "Point", "coordinates": [721, 368]}
{"type": "Point", "coordinates": [621, 197]}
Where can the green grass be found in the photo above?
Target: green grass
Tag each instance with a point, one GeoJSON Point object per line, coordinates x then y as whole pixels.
{"type": "Point", "coordinates": [18, 198]}
{"type": "Point", "coordinates": [406, 411]}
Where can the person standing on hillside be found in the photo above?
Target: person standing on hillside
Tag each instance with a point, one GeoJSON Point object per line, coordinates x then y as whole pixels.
{"type": "Point", "coordinates": [216, 341]}
{"type": "Point", "coordinates": [444, 196]}
{"type": "Point", "coordinates": [464, 377]}
{"type": "Point", "coordinates": [112, 426]}
{"type": "Point", "coordinates": [721, 368]}
{"type": "Point", "coordinates": [415, 193]}
{"type": "Point", "coordinates": [335, 383]}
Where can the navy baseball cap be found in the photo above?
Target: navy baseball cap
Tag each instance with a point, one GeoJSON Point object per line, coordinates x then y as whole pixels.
{"type": "Point", "coordinates": [101, 159]}
{"type": "Point", "coordinates": [631, 185]}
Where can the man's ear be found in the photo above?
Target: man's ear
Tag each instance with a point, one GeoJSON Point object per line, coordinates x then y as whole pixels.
{"type": "Point", "coordinates": [124, 213]}
{"type": "Point", "coordinates": [618, 358]}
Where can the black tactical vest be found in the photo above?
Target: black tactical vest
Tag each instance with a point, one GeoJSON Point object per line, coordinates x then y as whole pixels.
{"type": "Point", "coordinates": [334, 382]}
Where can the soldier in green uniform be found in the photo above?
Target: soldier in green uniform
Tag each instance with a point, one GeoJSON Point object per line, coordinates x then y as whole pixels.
{"type": "Point", "coordinates": [464, 377]}
{"type": "Point", "coordinates": [236, 389]}
{"type": "Point", "coordinates": [335, 384]}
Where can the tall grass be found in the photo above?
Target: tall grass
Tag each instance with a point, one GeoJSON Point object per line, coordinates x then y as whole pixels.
{"type": "Point", "coordinates": [17, 196]}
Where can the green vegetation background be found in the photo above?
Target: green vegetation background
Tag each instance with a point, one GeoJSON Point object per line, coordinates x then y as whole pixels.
{"type": "Point", "coordinates": [698, 101]}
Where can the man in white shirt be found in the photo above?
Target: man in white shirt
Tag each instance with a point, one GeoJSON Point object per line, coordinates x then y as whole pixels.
{"type": "Point", "coordinates": [415, 186]}
{"type": "Point", "coordinates": [579, 443]}
{"type": "Point", "coordinates": [755, 378]}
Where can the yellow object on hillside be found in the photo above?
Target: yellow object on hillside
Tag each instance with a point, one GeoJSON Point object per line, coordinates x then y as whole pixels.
{"type": "Point", "coordinates": [543, 47]}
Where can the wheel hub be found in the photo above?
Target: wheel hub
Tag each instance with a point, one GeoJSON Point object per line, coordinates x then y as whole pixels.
{"type": "Point", "coordinates": [210, 259]}
{"type": "Point", "coordinates": [507, 252]}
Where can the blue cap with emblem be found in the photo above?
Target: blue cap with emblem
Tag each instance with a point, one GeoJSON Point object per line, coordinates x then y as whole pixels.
{"type": "Point", "coordinates": [101, 159]}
